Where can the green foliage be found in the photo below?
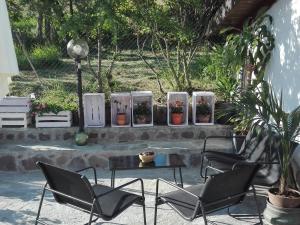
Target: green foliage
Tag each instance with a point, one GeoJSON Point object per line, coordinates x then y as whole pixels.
{"type": "Point", "coordinates": [226, 87]}
{"type": "Point", "coordinates": [177, 107]}
{"type": "Point", "coordinates": [55, 100]}
{"type": "Point", "coordinates": [142, 109]}
{"type": "Point", "coordinates": [44, 56]}
{"type": "Point", "coordinates": [203, 109]}
{"type": "Point", "coordinates": [253, 45]}
{"type": "Point", "coordinates": [40, 56]}
{"type": "Point", "coordinates": [264, 109]}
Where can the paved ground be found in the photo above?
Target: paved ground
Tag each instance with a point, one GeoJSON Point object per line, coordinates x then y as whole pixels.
{"type": "Point", "coordinates": [20, 194]}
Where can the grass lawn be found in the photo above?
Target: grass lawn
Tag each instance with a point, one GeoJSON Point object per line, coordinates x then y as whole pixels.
{"type": "Point", "coordinates": [129, 73]}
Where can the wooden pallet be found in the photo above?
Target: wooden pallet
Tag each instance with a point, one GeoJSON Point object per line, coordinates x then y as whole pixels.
{"type": "Point", "coordinates": [12, 119]}
{"type": "Point", "coordinates": [62, 119]}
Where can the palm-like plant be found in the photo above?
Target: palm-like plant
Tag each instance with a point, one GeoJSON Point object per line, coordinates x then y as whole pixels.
{"type": "Point", "coordinates": [263, 108]}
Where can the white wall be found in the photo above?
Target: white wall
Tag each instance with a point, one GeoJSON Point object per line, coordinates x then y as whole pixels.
{"type": "Point", "coordinates": [283, 71]}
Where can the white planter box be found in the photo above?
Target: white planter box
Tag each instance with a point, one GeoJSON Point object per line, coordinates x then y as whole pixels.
{"type": "Point", "coordinates": [94, 109]}
{"type": "Point", "coordinates": [62, 119]}
{"type": "Point", "coordinates": [207, 98]}
{"type": "Point", "coordinates": [15, 119]}
{"type": "Point", "coordinates": [142, 97]}
{"type": "Point", "coordinates": [120, 103]}
{"type": "Point", "coordinates": [181, 97]}
{"type": "Point", "coordinates": [15, 104]}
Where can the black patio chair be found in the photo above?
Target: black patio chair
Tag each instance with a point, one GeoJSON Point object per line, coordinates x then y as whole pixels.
{"type": "Point", "coordinates": [75, 190]}
{"type": "Point", "coordinates": [257, 146]}
{"type": "Point", "coordinates": [220, 191]}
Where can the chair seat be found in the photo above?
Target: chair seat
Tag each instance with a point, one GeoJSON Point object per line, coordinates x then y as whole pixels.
{"type": "Point", "coordinates": [222, 157]}
{"type": "Point", "coordinates": [115, 202]}
{"type": "Point", "coordinates": [184, 203]}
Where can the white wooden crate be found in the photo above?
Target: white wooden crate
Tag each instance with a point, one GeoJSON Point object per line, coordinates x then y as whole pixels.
{"type": "Point", "coordinates": [62, 119]}
{"type": "Point", "coordinates": [15, 104]}
{"type": "Point", "coordinates": [94, 109]}
{"type": "Point", "coordinates": [144, 97]}
{"type": "Point", "coordinates": [124, 100]}
{"type": "Point", "coordinates": [203, 97]}
{"type": "Point", "coordinates": [15, 119]}
{"type": "Point", "coordinates": [172, 98]}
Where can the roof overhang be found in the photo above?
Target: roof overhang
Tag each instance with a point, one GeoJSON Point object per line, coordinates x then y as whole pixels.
{"type": "Point", "coordinates": [233, 13]}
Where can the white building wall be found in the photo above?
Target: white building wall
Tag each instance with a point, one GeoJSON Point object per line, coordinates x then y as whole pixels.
{"type": "Point", "coordinates": [283, 71]}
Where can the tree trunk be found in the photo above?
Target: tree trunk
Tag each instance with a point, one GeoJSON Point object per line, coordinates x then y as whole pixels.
{"type": "Point", "coordinates": [99, 69]}
{"type": "Point", "coordinates": [71, 7]}
{"type": "Point", "coordinates": [47, 29]}
{"type": "Point", "coordinates": [40, 27]}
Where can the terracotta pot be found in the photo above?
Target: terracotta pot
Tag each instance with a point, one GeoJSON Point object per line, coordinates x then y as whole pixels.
{"type": "Point", "coordinates": [141, 119]}
{"type": "Point", "coordinates": [121, 119]}
{"type": "Point", "coordinates": [203, 118]}
{"type": "Point", "coordinates": [177, 118]}
{"type": "Point", "coordinates": [284, 201]}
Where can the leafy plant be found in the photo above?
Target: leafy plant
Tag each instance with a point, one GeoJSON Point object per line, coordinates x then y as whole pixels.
{"type": "Point", "coordinates": [253, 46]}
{"type": "Point", "coordinates": [45, 55]}
{"type": "Point", "coordinates": [55, 101]}
{"type": "Point", "coordinates": [177, 107]}
{"type": "Point", "coordinates": [266, 110]}
{"type": "Point", "coordinates": [142, 109]}
{"type": "Point", "coordinates": [120, 108]}
{"type": "Point", "coordinates": [226, 87]}
{"type": "Point", "coordinates": [203, 109]}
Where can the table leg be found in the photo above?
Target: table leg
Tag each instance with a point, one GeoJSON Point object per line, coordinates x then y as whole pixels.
{"type": "Point", "coordinates": [180, 176]}
{"type": "Point", "coordinates": [112, 179]}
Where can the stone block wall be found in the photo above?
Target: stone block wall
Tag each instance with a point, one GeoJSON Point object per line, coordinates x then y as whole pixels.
{"type": "Point", "coordinates": [21, 148]}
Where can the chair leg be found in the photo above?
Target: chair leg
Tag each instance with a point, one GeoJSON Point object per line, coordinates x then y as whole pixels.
{"type": "Point", "coordinates": [257, 205]}
{"type": "Point", "coordinates": [40, 206]}
{"type": "Point", "coordinates": [91, 214]}
{"type": "Point", "coordinates": [155, 212]}
{"type": "Point", "coordinates": [144, 213]}
{"type": "Point", "coordinates": [203, 214]}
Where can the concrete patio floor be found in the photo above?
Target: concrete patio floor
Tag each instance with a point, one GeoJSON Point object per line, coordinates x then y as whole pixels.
{"type": "Point", "coordinates": [20, 194]}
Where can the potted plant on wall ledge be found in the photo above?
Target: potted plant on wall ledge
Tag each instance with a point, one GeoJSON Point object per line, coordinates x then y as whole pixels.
{"type": "Point", "coordinates": [121, 113]}
{"type": "Point", "coordinates": [142, 112]}
{"type": "Point", "coordinates": [203, 112]}
{"type": "Point", "coordinates": [177, 113]}
{"type": "Point", "coordinates": [283, 205]}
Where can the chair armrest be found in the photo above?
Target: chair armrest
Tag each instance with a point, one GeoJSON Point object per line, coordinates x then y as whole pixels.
{"type": "Point", "coordinates": [89, 168]}
{"type": "Point", "coordinates": [212, 168]}
{"type": "Point", "coordinates": [124, 185]}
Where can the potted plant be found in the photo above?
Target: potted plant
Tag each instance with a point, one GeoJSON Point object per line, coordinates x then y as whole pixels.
{"type": "Point", "coordinates": [141, 112]}
{"type": "Point", "coordinates": [267, 111]}
{"type": "Point", "coordinates": [121, 113]}
{"type": "Point", "coordinates": [203, 112]}
{"type": "Point", "coordinates": [177, 113]}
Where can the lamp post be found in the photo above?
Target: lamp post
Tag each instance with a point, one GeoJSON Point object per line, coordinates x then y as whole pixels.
{"type": "Point", "coordinates": [79, 49]}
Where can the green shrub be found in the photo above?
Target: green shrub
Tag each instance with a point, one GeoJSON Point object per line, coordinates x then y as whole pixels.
{"type": "Point", "coordinates": [45, 56]}
{"type": "Point", "coordinates": [55, 100]}
{"type": "Point", "coordinates": [41, 57]}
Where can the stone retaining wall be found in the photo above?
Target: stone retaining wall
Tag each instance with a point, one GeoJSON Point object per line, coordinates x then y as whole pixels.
{"type": "Point", "coordinates": [111, 134]}
{"type": "Point", "coordinates": [21, 148]}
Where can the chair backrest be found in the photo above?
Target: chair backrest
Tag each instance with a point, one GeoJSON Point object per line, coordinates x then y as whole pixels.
{"type": "Point", "coordinates": [225, 186]}
{"type": "Point", "coordinates": [69, 183]}
{"type": "Point", "coordinates": [255, 144]}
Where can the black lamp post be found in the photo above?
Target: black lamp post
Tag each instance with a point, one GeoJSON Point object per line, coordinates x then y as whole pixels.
{"type": "Point", "coordinates": [79, 49]}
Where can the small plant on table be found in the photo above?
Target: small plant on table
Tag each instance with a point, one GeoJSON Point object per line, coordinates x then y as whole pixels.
{"type": "Point", "coordinates": [177, 112]}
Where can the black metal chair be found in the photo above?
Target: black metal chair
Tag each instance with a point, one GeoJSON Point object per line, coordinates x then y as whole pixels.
{"type": "Point", "coordinates": [220, 191]}
{"type": "Point", "coordinates": [75, 190]}
{"type": "Point", "coordinates": [257, 147]}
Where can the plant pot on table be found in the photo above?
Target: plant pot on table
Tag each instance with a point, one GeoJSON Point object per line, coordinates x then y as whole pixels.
{"type": "Point", "coordinates": [141, 119]}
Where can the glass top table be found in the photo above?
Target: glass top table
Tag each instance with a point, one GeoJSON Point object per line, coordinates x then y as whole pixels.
{"type": "Point", "coordinates": [132, 162]}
